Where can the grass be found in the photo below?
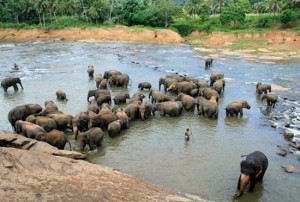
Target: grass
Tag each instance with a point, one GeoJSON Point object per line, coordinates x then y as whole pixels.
{"type": "Point", "coordinates": [248, 43]}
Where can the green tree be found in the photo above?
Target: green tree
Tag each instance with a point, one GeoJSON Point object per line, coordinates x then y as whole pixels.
{"type": "Point", "coordinates": [245, 5]}
{"type": "Point", "coordinates": [41, 7]}
{"type": "Point", "coordinates": [286, 16]}
{"type": "Point", "coordinates": [274, 6]}
{"type": "Point", "coordinates": [15, 8]}
{"type": "Point", "coordinates": [166, 10]}
{"type": "Point", "coordinates": [192, 7]}
{"type": "Point", "coordinates": [233, 14]}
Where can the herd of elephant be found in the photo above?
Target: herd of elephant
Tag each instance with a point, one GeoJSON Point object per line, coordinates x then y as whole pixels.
{"type": "Point", "coordinates": [48, 123]}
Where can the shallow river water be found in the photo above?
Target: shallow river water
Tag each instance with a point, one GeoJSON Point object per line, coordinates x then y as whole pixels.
{"type": "Point", "coordinates": [154, 150]}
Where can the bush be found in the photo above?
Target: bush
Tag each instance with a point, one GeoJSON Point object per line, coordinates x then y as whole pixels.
{"type": "Point", "coordinates": [184, 29]}
{"type": "Point", "coordinates": [286, 16]}
{"type": "Point", "coordinates": [263, 22]}
{"type": "Point", "coordinates": [233, 14]}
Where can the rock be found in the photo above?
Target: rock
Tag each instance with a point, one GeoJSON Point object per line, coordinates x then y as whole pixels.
{"type": "Point", "coordinates": [289, 168]}
{"type": "Point", "coordinates": [288, 135]}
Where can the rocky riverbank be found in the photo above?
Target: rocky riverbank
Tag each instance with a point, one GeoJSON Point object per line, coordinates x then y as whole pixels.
{"type": "Point", "coordinates": [35, 171]}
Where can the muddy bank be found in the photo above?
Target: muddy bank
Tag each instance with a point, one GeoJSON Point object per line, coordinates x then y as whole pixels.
{"type": "Point", "coordinates": [38, 175]}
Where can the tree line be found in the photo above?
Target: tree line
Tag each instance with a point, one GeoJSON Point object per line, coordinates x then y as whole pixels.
{"type": "Point", "coordinates": [154, 13]}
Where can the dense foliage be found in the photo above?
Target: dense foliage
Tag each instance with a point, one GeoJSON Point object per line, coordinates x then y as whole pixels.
{"type": "Point", "coordinates": [181, 15]}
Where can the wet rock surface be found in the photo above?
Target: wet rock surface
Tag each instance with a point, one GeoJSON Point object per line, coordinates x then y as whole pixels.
{"type": "Point", "coordinates": [35, 171]}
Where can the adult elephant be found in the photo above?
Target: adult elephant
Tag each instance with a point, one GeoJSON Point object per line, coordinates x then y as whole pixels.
{"type": "Point", "coordinates": [103, 99]}
{"type": "Point", "coordinates": [263, 88]}
{"type": "Point", "coordinates": [61, 95]}
{"type": "Point", "coordinates": [219, 85]}
{"type": "Point", "coordinates": [208, 107]}
{"type": "Point", "coordinates": [235, 108]}
{"type": "Point", "coordinates": [21, 112]}
{"type": "Point", "coordinates": [103, 84]}
{"type": "Point", "coordinates": [121, 98]}
{"type": "Point", "coordinates": [214, 76]}
{"type": "Point", "coordinates": [145, 110]}
{"type": "Point", "coordinates": [119, 80]}
{"type": "Point", "coordinates": [63, 121]}
{"type": "Point", "coordinates": [109, 73]}
{"type": "Point", "coordinates": [123, 117]}
{"type": "Point", "coordinates": [55, 137]}
{"type": "Point", "coordinates": [80, 123]}
{"type": "Point", "coordinates": [166, 82]}
{"type": "Point", "coordinates": [28, 129]}
{"type": "Point", "coordinates": [98, 79]}
{"type": "Point", "coordinates": [47, 123]}
{"type": "Point", "coordinates": [202, 84]}
{"type": "Point", "coordinates": [208, 63]}
{"type": "Point", "coordinates": [114, 128]}
{"type": "Point", "coordinates": [188, 101]}
{"type": "Point", "coordinates": [252, 170]}
{"type": "Point", "coordinates": [171, 108]}
{"type": "Point", "coordinates": [208, 93]}
{"type": "Point", "coordinates": [182, 87]}
{"type": "Point", "coordinates": [93, 106]}
{"type": "Point", "coordinates": [271, 99]}
{"type": "Point", "coordinates": [90, 70]}
{"type": "Point", "coordinates": [93, 137]}
{"type": "Point", "coordinates": [96, 93]}
{"type": "Point", "coordinates": [139, 96]}
{"type": "Point", "coordinates": [102, 119]}
{"type": "Point", "coordinates": [50, 108]}
{"type": "Point", "coordinates": [132, 110]}
{"type": "Point", "coordinates": [13, 81]}
{"type": "Point", "coordinates": [145, 85]}
{"type": "Point", "coordinates": [157, 96]}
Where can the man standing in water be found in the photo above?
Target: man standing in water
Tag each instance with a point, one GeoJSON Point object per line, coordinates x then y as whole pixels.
{"type": "Point", "coordinates": [187, 134]}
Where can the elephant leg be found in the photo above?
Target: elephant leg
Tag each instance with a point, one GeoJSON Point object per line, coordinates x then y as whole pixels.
{"type": "Point", "coordinates": [241, 113]}
{"type": "Point", "coordinates": [15, 87]}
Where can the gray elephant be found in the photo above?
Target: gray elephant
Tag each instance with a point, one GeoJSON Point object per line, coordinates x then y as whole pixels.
{"type": "Point", "coordinates": [90, 71]}
{"type": "Point", "coordinates": [263, 88]}
{"type": "Point", "coordinates": [208, 107]}
{"type": "Point", "coordinates": [109, 73]}
{"type": "Point", "coordinates": [63, 121]}
{"type": "Point", "coordinates": [123, 117]}
{"type": "Point", "coordinates": [28, 129]}
{"type": "Point", "coordinates": [93, 106]}
{"type": "Point", "coordinates": [119, 80]}
{"type": "Point", "coordinates": [80, 123]}
{"type": "Point", "coordinates": [271, 99]}
{"type": "Point", "coordinates": [171, 108]}
{"type": "Point", "coordinates": [194, 92]}
{"type": "Point", "coordinates": [55, 137]}
{"type": "Point", "coordinates": [103, 84]}
{"type": "Point", "coordinates": [13, 81]}
{"type": "Point", "coordinates": [157, 96]}
{"type": "Point", "coordinates": [98, 79]}
{"type": "Point", "coordinates": [145, 110]}
{"type": "Point", "coordinates": [214, 76]}
{"type": "Point", "coordinates": [219, 85]}
{"type": "Point", "coordinates": [188, 101]}
{"type": "Point", "coordinates": [105, 107]}
{"type": "Point", "coordinates": [102, 119]}
{"type": "Point", "coordinates": [235, 108]}
{"type": "Point", "coordinates": [121, 98]}
{"type": "Point", "coordinates": [47, 123]}
{"type": "Point", "coordinates": [21, 112]}
{"type": "Point", "coordinates": [208, 63]}
{"type": "Point", "coordinates": [61, 95]}
{"type": "Point", "coordinates": [208, 93]}
{"type": "Point", "coordinates": [96, 93]}
{"type": "Point", "coordinates": [114, 128]}
{"type": "Point", "coordinates": [50, 108]}
{"type": "Point", "coordinates": [93, 137]}
{"type": "Point", "coordinates": [132, 110]}
{"type": "Point", "coordinates": [139, 96]}
{"type": "Point", "coordinates": [166, 82]}
{"type": "Point", "coordinates": [182, 87]}
{"type": "Point", "coordinates": [145, 85]}
{"type": "Point", "coordinates": [202, 84]}
{"type": "Point", "coordinates": [103, 99]}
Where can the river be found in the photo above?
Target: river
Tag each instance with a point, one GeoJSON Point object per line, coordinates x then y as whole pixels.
{"type": "Point", "coordinates": [154, 149]}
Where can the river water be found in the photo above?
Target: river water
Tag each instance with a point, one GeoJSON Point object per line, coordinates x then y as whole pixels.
{"type": "Point", "coordinates": [154, 150]}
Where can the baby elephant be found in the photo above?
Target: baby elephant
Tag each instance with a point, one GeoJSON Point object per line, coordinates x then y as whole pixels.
{"type": "Point", "coordinates": [271, 99]}
{"type": "Point", "coordinates": [252, 170]}
{"type": "Point", "coordinates": [61, 95]}
{"type": "Point", "coordinates": [143, 85]}
{"type": "Point", "coordinates": [55, 138]}
{"type": "Point", "coordinates": [93, 137]}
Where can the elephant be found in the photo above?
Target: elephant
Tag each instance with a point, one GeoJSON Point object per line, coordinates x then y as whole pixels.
{"type": "Point", "coordinates": [114, 128]}
{"type": "Point", "coordinates": [202, 84]}
{"type": "Point", "coordinates": [219, 85]}
{"type": "Point", "coordinates": [123, 117]}
{"type": "Point", "coordinates": [103, 99]}
{"type": "Point", "coordinates": [194, 92]}
{"type": "Point", "coordinates": [21, 112]}
{"type": "Point", "coordinates": [214, 76]}
{"type": "Point", "coordinates": [263, 88]}
{"type": "Point", "coordinates": [98, 79]}
{"type": "Point", "coordinates": [253, 169]}
{"type": "Point", "coordinates": [102, 119]}
{"type": "Point", "coordinates": [93, 106]}
{"type": "Point", "coordinates": [137, 97]}
{"type": "Point", "coordinates": [132, 110]}
{"type": "Point", "coordinates": [157, 96]}
{"type": "Point", "coordinates": [90, 71]}
{"type": "Point", "coordinates": [121, 98]}
{"type": "Point", "coordinates": [80, 123]}
{"type": "Point", "coordinates": [171, 108]}
{"type": "Point", "coordinates": [188, 101]}
{"type": "Point", "coordinates": [28, 129]}
{"type": "Point", "coordinates": [182, 87]}
{"type": "Point", "coordinates": [271, 99]}
{"type": "Point", "coordinates": [235, 108]}
{"type": "Point", "coordinates": [119, 80]}
{"type": "Point", "coordinates": [208, 93]}
{"type": "Point", "coordinates": [166, 82]}
{"type": "Point", "coordinates": [143, 85]}
{"type": "Point", "coordinates": [96, 93]}
{"type": "Point", "coordinates": [47, 123]}
{"type": "Point", "coordinates": [12, 81]}
{"type": "Point", "coordinates": [61, 95]}
{"type": "Point", "coordinates": [191, 79]}
{"type": "Point", "coordinates": [208, 107]}
{"type": "Point", "coordinates": [208, 63]}
{"type": "Point", "coordinates": [109, 73]}
{"type": "Point", "coordinates": [145, 110]}
{"type": "Point", "coordinates": [103, 84]}
{"type": "Point", "coordinates": [63, 121]}
{"type": "Point", "coordinates": [177, 76]}
{"type": "Point", "coordinates": [50, 108]}
{"type": "Point", "coordinates": [105, 107]}
{"type": "Point", "coordinates": [93, 137]}
{"type": "Point", "coordinates": [55, 137]}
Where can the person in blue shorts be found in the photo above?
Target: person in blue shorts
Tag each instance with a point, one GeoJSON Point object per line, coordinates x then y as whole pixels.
{"type": "Point", "coordinates": [187, 134]}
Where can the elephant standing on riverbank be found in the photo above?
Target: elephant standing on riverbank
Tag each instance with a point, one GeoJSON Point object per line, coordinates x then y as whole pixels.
{"type": "Point", "coordinates": [263, 88]}
{"type": "Point", "coordinates": [93, 137]}
{"type": "Point", "coordinates": [8, 82]}
{"type": "Point", "coordinates": [271, 99]}
{"type": "Point", "coordinates": [235, 108]}
{"type": "Point", "coordinates": [208, 63]}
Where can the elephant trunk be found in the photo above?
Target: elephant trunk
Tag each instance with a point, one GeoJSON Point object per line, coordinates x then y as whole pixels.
{"type": "Point", "coordinates": [244, 180]}
{"type": "Point", "coordinates": [75, 131]}
{"type": "Point", "coordinates": [23, 88]}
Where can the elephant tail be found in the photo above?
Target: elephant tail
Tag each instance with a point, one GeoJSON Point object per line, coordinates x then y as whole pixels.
{"type": "Point", "coordinates": [69, 145]}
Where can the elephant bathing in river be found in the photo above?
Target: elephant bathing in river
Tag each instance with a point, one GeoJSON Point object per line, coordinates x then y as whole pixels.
{"type": "Point", "coordinates": [143, 85]}
{"type": "Point", "coordinates": [61, 95]}
{"type": "Point", "coordinates": [235, 108]}
{"type": "Point", "coordinates": [93, 137]}
{"type": "Point", "coordinates": [208, 63]}
{"type": "Point", "coordinates": [271, 99]}
{"type": "Point", "coordinates": [263, 88]}
{"type": "Point", "coordinates": [208, 107]}
{"type": "Point", "coordinates": [90, 71]}
{"type": "Point", "coordinates": [56, 138]}
{"type": "Point", "coordinates": [214, 76]}
{"type": "Point", "coordinates": [8, 82]}
{"type": "Point", "coordinates": [28, 129]}
{"type": "Point", "coordinates": [171, 108]}
{"type": "Point", "coordinates": [121, 98]}
{"type": "Point", "coordinates": [252, 170]}
{"type": "Point", "coordinates": [47, 123]}
{"type": "Point", "coordinates": [188, 101]}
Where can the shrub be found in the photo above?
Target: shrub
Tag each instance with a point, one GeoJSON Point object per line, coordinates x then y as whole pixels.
{"type": "Point", "coordinates": [233, 14]}
{"type": "Point", "coordinates": [286, 16]}
{"type": "Point", "coordinates": [263, 22]}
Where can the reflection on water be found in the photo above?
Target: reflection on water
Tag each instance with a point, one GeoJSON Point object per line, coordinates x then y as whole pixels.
{"type": "Point", "coordinates": [154, 149]}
